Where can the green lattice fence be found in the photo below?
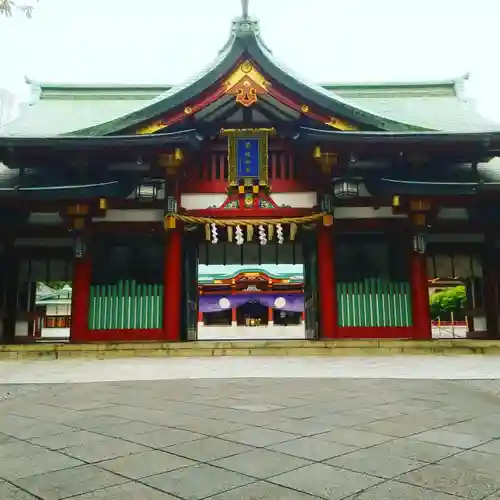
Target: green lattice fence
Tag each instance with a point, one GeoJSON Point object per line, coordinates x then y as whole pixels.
{"type": "Point", "coordinates": [125, 306]}
{"type": "Point", "coordinates": [374, 302]}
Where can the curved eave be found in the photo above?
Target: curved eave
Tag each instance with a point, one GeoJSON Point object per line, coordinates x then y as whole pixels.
{"type": "Point", "coordinates": [327, 101]}
{"type": "Point", "coordinates": [485, 139]}
{"type": "Point", "coordinates": [82, 142]}
{"type": "Point", "coordinates": [172, 98]}
{"type": "Point", "coordinates": [248, 45]}
{"type": "Point", "coordinates": [112, 189]}
{"type": "Point", "coordinates": [386, 186]}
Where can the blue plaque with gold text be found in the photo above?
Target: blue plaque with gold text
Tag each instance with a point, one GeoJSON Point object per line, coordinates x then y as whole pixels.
{"type": "Point", "coordinates": [248, 157]}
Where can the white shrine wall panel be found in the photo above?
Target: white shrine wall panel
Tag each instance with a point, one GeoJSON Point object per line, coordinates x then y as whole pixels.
{"type": "Point", "coordinates": [135, 215]}
{"type": "Point", "coordinates": [453, 214]}
{"type": "Point", "coordinates": [366, 213]}
{"type": "Point", "coordinates": [306, 199]}
{"type": "Point", "coordinates": [200, 201]}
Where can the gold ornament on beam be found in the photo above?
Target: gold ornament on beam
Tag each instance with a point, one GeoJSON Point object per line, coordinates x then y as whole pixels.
{"type": "Point", "coordinates": [171, 162]}
{"type": "Point", "coordinates": [170, 222]}
{"type": "Point", "coordinates": [325, 160]}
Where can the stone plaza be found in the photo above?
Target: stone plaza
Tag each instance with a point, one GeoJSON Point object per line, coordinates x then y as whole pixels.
{"type": "Point", "coordinates": [253, 428]}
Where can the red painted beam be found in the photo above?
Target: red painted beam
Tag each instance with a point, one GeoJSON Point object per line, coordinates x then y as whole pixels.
{"type": "Point", "coordinates": [250, 213]}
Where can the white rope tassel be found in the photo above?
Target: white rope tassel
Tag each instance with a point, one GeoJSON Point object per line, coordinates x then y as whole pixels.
{"type": "Point", "coordinates": [215, 234]}
{"type": "Point", "coordinates": [279, 234]}
{"type": "Point", "coordinates": [262, 235]}
{"type": "Point", "coordinates": [239, 235]}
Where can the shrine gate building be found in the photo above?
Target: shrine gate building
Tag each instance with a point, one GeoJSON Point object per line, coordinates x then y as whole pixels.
{"type": "Point", "coordinates": [125, 190]}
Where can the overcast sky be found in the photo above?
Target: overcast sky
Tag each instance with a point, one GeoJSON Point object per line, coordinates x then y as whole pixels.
{"type": "Point", "coordinates": [166, 41]}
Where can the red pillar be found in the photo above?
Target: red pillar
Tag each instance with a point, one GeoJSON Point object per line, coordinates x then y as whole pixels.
{"type": "Point", "coordinates": [327, 291]}
{"type": "Point", "coordinates": [172, 285]}
{"type": "Point", "coordinates": [80, 299]}
{"type": "Point", "coordinates": [234, 317]}
{"type": "Point", "coordinates": [270, 314]}
{"type": "Point", "coordinates": [420, 296]}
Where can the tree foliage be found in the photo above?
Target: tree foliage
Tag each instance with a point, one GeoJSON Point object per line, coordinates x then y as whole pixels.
{"type": "Point", "coordinates": [8, 7]}
{"type": "Point", "coordinates": [445, 302]}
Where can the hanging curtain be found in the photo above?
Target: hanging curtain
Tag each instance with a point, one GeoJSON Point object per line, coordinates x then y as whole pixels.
{"type": "Point", "coordinates": [285, 302]}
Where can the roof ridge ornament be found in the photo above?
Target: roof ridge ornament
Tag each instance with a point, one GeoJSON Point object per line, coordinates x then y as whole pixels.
{"type": "Point", "coordinates": [244, 8]}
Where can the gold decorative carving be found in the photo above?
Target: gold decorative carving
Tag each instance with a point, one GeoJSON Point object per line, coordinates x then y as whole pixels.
{"type": "Point", "coordinates": [188, 110]}
{"type": "Point", "coordinates": [151, 128]}
{"type": "Point", "coordinates": [246, 83]}
{"type": "Point", "coordinates": [304, 108]}
{"type": "Point", "coordinates": [339, 124]}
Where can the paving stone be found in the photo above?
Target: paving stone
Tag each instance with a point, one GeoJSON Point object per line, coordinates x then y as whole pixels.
{"type": "Point", "coordinates": [67, 439]}
{"type": "Point", "coordinates": [199, 481]}
{"type": "Point", "coordinates": [126, 430]}
{"type": "Point", "coordinates": [126, 491]}
{"type": "Point", "coordinates": [165, 437]}
{"type": "Point", "coordinates": [448, 438]}
{"type": "Point", "coordinates": [261, 463]}
{"type": "Point", "coordinates": [262, 491]}
{"type": "Point", "coordinates": [325, 481]}
{"type": "Point", "coordinates": [466, 483]}
{"type": "Point", "coordinates": [69, 482]}
{"type": "Point", "coordinates": [354, 437]}
{"type": "Point", "coordinates": [210, 426]}
{"type": "Point", "coordinates": [376, 464]}
{"type": "Point", "coordinates": [10, 492]}
{"type": "Point", "coordinates": [392, 490]}
{"type": "Point", "coordinates": [145, 464]}
{"type": "Point", "coordinates": [391, 428]}
{"type": "Point", "coordinates": [18, 448]}
{"type": "Point", "coordinates": [4, 439]}
{"type": "Point", "coordinates": [104, 449]}
{"type": "Point", "coordinates": [303, 427]}
{"type": "Point", "coordinates": [490, 447]}
{"type": "Point", "coordinates": [416, 450]}
{"type": "Point", "coordinates": [312, 448]}
{"type": "Point", "coordinates": [207, 449]}
{"type": "Point", "coordinates": [258, 436]}
{"type": "Point", "coordinates": [473, 460]}
{"type": "Point", "coordinates": [38, 463]}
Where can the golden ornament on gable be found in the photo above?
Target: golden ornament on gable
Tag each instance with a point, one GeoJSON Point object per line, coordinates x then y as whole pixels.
{"type": "Point", "coordinates": [246, 83]}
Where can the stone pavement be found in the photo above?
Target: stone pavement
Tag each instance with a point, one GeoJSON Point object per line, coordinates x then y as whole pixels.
{"type": "Point", "coordinates": [228, 367]}
{"type": "Point", "coordinates": [251, 438]}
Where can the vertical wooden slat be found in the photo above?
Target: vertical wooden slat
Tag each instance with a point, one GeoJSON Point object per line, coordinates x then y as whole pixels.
{"type": "Point", "coordinates": [126, 304]}
{"type": "Point", "coordinates": [355, 304]}
{"type": "Point", "coordinates": [92, 308]}
{"type": "Point", "coordinates": [133, 305]}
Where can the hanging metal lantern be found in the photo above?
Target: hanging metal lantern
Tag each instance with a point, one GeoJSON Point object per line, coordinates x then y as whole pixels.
{"type": "Point", "coordinates": [79, 247]}
{"type": "Point", "coordinates": [419, 243]}
{"type": "Point", "coordinates": [346, 188]}
{"type": "Point", "coordinates": [146, 191]}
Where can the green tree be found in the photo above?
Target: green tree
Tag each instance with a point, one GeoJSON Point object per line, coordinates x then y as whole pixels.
{"type": "Point", "coordinates": [8, 7]}
{"type": "Point", "coordinates": [448, 301]}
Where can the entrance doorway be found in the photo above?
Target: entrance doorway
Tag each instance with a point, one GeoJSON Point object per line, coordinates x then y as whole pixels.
{"type": "Point", "coordinates": [456, 293]}
{"type": "Point", "coordinates": [36, 286]}
{"type": "Point", "coordinates": [249, 291]}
